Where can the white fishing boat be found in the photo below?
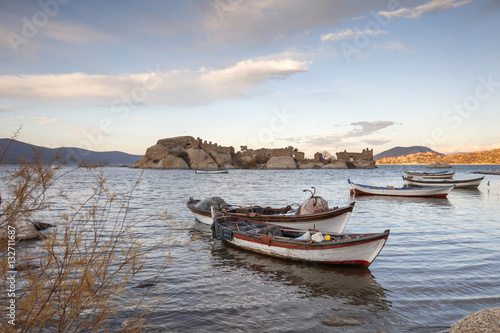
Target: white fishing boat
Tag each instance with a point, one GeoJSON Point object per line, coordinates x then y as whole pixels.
{"type": "Point", "coordinates": [312, 213]}
{"type": "Point", "coordinates": [293, 244]}
{"type": "Point", "coordinates": [429, 192]}
{"type": "Point", "coordinates": [214, 171]}
{"type": "Point", "coordinates": [430, 175]}
{"type": "Point", "coordinates": [468, 183]}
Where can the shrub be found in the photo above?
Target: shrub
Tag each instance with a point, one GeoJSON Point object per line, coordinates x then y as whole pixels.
{"type": "Point", "coordinates": [82, 273]}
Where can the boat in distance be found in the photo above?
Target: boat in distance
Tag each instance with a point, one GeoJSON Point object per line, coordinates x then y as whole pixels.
{"type": "Point", "coordinates": [299, 245]}
{"type": "Point", "coordinates": [466, 183]}
{"type": "Point", "coordinates": [213, 171]}
{"type": "Point", "coordinates": [430, 175]}
{"type": "Point", "coordinates": [328, 220]}
{"type": "Point", "coordinates": [422, 192]}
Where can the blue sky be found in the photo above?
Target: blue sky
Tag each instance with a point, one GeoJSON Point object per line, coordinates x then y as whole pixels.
{"type": "Point", "coordinates": [318, 75]}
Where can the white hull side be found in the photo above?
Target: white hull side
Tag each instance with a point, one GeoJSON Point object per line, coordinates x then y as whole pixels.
{"type": "Point", "coordinates": [364, 252]}
{"type": "Point", "coordinates": [436, 191]}
{"type": "Point", "coordinates": [432, 176]}
{"type": "Point", "coordinates": [335, 224]}
{"type": "Point", "coordinates": [474, 183]}
{"type": "Point", "coordinates": [203, 219]}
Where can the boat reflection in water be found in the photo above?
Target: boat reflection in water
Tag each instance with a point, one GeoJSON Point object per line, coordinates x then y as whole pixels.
{"type": "Point", "coordinates": [347, 297]}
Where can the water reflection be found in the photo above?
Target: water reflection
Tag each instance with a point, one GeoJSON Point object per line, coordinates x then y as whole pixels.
{"type": "Point", "coordinates": [354, 285]}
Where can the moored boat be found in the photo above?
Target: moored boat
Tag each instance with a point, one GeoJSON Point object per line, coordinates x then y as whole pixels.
{"type": "Point", "coordinates": [432, 192]}
{"type": "Point", "coordinates": [468, 183]}
{"type": "Point", "coordinates": [439, 165]}
{"type": "Point", "coordinates": [293, 244]}
{"type": "Point", "coordinates": [322, 217]}
{"type": "Point", "coordinates": [430, 175]}
{"type": "Point", "coordinates": [214, 171]}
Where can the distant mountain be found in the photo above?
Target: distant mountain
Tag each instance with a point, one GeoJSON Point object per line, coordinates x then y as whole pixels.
{"type": "Point", "coordinates": [20, 149]}
{"type": "Point", "coordinates": [403, 151]}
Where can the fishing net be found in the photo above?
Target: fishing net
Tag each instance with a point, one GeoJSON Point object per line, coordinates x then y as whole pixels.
{"type": "Point", "coordinates": [217, 202]}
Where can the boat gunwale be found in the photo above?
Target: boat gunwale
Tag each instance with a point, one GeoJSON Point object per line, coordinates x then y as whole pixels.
{"type": "Point", "coordinates": [443, 181]}
{"type": "Point", "coordinates": [333, 212]}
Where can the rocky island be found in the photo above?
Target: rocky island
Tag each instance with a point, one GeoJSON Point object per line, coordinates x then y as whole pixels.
{"type": "Point", "coordinates": [186, 152]}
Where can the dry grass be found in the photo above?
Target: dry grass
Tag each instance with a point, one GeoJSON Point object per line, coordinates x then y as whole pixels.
{"type": "Point", "coordinates": [80, 275]}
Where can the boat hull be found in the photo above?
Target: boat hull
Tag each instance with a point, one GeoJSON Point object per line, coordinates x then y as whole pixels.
{"type": "Point", "coordinates": [361, 253]}
{"type": "Point", "coordinates": [430, 175]}
{"type": "Point", "coordinates": [345, 249]}
{"type": "Point", "coordinates": [470, 183]}
{"type": "Point", "coordinates": [333, 221]}
{"type": "Point", "coordinates": [419, 192]}
{"type": "Point", "coordinates": [200, 171]}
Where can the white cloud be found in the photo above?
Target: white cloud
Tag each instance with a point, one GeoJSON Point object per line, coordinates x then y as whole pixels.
{"type": "Point", "coordinates": [256, 20]}
{"type": "Point", "coordinates": [74, 34]}
{"type": "Point", "coordinates": [391, 46]}
{"type": "Point", "coordinates": [349, 33]}
{"type": "Point", "coordinates": [45, 121]}
{"type": "Point", "coordinates": [376, 142]}
{"type": "Point", "coordinates": [180, 87]}
{"type": "Point", "coordinates": [429, 7]}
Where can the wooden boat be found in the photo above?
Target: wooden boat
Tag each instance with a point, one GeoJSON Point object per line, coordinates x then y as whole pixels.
{"type": "Point", "coordinates": [431, 192]}
{"type": "Point", "coordinates": [430, 175]}
{"type": "Point", "coordinates": [293, 244]}
{"type": "Point", "coordinates": [331, 220]}
{"type": "Point", "coordinates": [470, 183]}
{"type": "Point", "coordinates": [214, 171]}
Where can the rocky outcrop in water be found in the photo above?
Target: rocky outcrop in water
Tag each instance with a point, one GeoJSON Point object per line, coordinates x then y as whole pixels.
{"type": "Point", "coordinates": [186, 152]}
{"type": "Point", "coordinates": [281, 162]}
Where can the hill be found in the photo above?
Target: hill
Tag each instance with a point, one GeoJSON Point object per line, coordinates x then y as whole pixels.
{"type": "Point", "coordinates": [403, 151]}
{"type": "Point", "coordinates": [478, 157]}
{"type": "Point", "coordinates": [20, 149]}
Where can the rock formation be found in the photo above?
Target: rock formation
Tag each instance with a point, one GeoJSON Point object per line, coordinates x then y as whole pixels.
{"type": "Point", "coordinates": [335, 165]}
{"type": "Point", "coordinates": [186, 152]}
{"type": "Point", "coordinates": [200, 159]}
{"type": "Point", "coordinates": [281, 162]}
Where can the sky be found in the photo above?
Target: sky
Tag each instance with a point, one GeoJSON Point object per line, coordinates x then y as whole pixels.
{"type": "Point", "coordinates": [318, 75]}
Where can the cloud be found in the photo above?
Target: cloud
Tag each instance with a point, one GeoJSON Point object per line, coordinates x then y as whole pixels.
{"type": "Point", "coordinates": [376, 142]}
{"type": "Point", "coordinates": [4, 109]}
{"type": "Point", "coordinates": [179, 87]}
{"type": "Point", "coordinates": [391, 46]}
{"type": "Point", "coordinates": [252, 21]}
{"type": "Point", "coordinates": [74, 33]}
{"type": "Point", "coordinates": [363, 129]}
{"type": "Point", "coordinates": [45, 121]}
{"type": "Point", "coordinates": [429, 7]}
{"type": "Point", "coordinates": [367, 128]}
{"type": "Point", "coordinates": [349, 34]}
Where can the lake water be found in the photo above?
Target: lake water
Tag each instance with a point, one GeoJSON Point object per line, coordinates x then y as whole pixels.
{"type": "Point", "coordinates": [441, 260]}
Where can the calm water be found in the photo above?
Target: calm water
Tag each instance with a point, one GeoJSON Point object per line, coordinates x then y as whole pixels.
{"type": "Point", "coordinates": [440, 263]}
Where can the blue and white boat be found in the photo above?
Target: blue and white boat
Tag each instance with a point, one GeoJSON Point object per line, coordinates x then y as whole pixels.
{"type": "Point", "coordinates": [430, 175]}
{"type": "Point", "coordinates": [429, 192]}
{"type": "Point", "coordinates": [202, 171]}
